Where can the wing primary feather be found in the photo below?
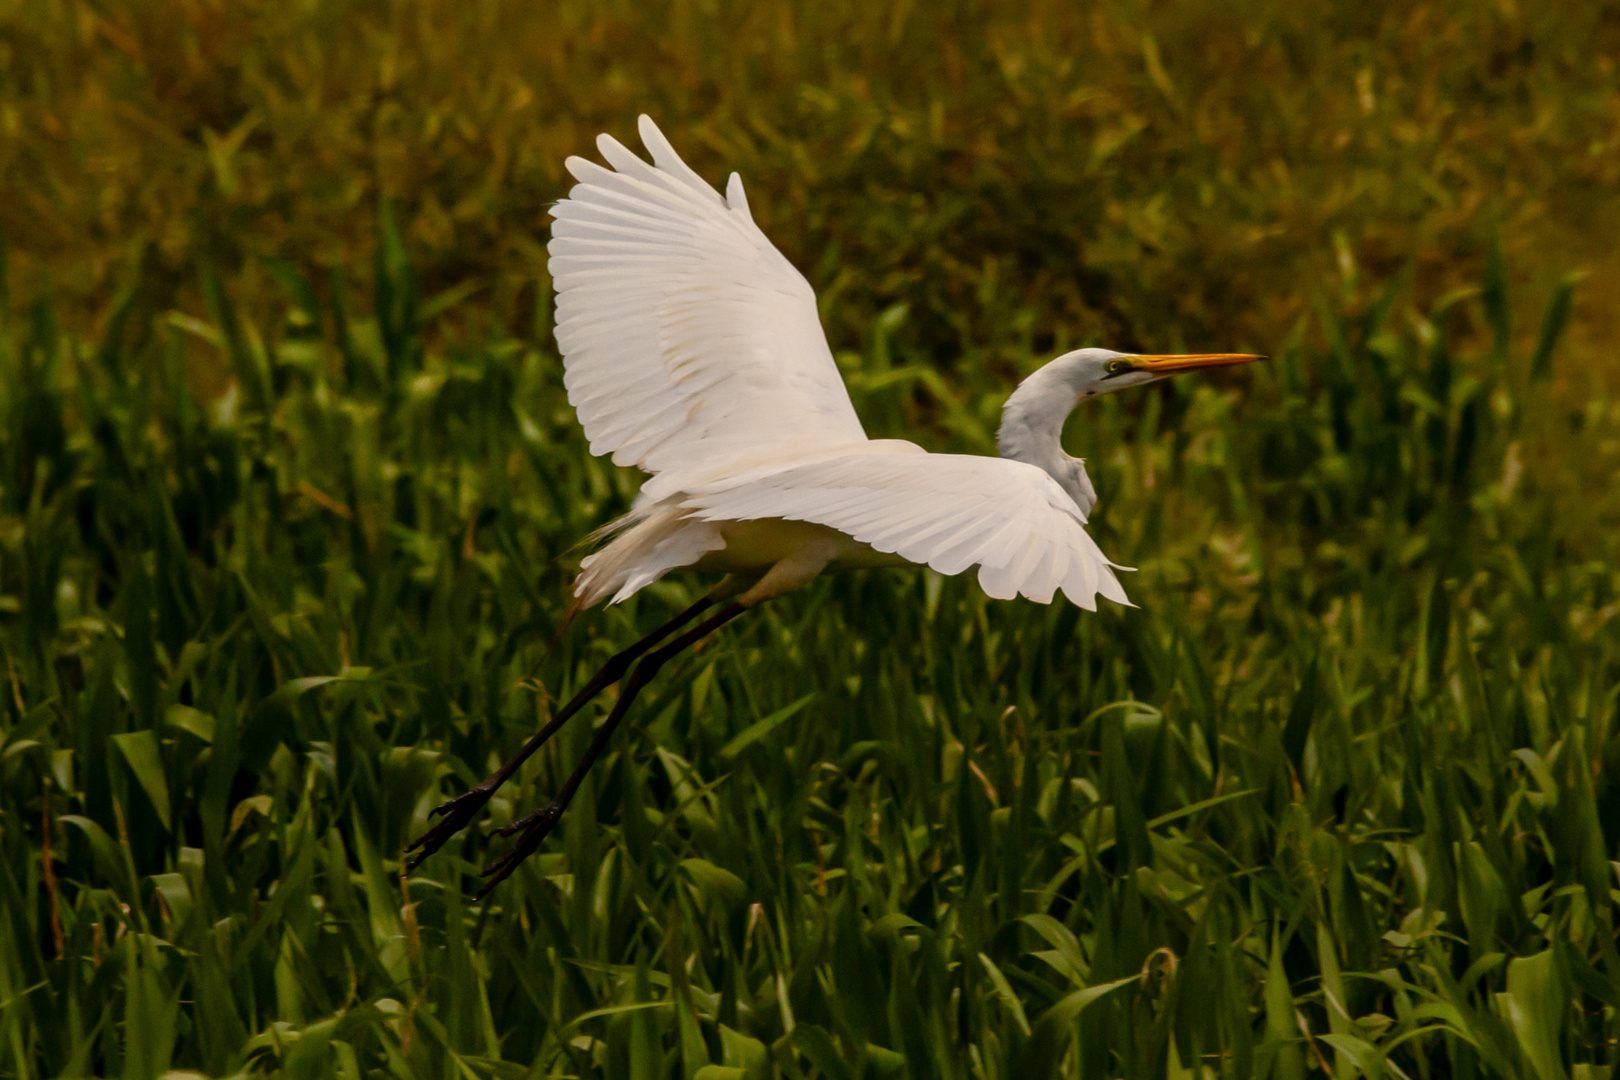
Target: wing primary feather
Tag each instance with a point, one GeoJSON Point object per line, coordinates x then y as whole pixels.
{"type": "Point", "coordinates": [1026, 561]}
{"type": "Point", "coordinates": [665, 157]}
{"type": "Point", "coordinates": [735, 198]}
{"type": "Point", "coordinates": [629, 183]}
{"type": "Point", "coordinates": [961, 554]}
{"type": "Point", "coordinates": [628, 163]}
{"type": "Point", "coordinates": [633, 178]}
{"type": "Point", "coordinates": [934, 531]}
{"type": "Point", "coordinates": [1081, 585]}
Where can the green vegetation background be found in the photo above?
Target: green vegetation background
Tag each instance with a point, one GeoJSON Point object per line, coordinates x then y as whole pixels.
{"type": "Point", "coordinates": [290, 494]}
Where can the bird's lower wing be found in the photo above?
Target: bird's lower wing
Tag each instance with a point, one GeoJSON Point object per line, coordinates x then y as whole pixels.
{"type": "Point", "coordinates": [948, 511]}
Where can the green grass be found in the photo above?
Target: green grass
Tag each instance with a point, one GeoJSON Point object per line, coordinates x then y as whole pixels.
{"type": "Point", "coordinates": [290, 495]}
{"type": "Point", "coordinates": [1342, 773]}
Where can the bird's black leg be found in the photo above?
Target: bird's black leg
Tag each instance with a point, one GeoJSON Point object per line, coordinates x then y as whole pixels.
{"type": "Point", "coordinates": [460, 811]}
{"type": "Point", "coordinates": [536, 826]}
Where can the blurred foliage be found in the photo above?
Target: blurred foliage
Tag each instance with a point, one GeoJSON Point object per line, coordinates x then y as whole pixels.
{"type": "Point", "coordinates": [1337, 796]}
{"type": "Point", "coordinates": [290, 494]}
{"type": "Point", "coordinates": [1127, 173]}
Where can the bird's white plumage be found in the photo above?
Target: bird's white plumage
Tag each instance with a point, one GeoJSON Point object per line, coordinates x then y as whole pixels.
{"type": "Point", "coordinates": [685, 333]}
{"type": "Point", "coordinates": [947, 511]}
{"type": "Point", "coordinates": [693, 349]}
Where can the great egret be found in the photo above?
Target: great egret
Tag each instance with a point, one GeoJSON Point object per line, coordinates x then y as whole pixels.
{"type": "Point", "coordinates": [693, 350]}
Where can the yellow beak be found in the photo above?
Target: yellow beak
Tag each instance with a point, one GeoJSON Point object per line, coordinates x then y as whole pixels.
{"type": "Point", "coordinates": [1164, 363]}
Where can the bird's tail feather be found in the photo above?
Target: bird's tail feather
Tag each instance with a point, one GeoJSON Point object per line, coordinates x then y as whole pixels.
{"type": "Point", "coordinates": [643, 546]}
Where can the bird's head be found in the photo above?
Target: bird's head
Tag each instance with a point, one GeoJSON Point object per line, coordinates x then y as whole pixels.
{"type": "Point", "coordinates": [1087, 373]}
{"type": "Point", "coordinates": [1045, 398]}
{"type": "Point", "coordinates": [1032, 419]}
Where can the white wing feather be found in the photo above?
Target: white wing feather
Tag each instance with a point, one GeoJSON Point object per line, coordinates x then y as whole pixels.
{"type": "Point", "coordinates": [949, 511]}
{"type": "Point", "coordinates": [693, 348]}
{"type": "Point", "coordinates": [686, 336]}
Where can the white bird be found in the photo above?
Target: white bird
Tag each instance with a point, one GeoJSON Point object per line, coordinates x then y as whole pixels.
{"type": "Point", "coordinates": [693, 351]}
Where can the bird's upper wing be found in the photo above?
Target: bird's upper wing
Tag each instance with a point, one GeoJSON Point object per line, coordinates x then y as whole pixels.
{"type": "Point", "coordinates": [950, 511]}
{"type": "Point", "coordinates": [685, 334]}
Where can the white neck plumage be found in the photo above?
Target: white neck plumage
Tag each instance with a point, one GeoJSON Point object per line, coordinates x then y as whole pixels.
{"type": "Point", "coordinates": [1032, 429]}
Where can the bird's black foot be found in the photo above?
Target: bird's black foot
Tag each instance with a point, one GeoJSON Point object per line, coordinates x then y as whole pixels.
{"type": "Point", "coordinates": [535, 828]}
{"type": "Point", "coordinates": [551, 813]}
{"type": "Point", "coordinates": [458, 813]}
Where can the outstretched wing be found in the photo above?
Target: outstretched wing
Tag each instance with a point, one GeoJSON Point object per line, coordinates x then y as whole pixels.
{"type": "Point", "coordinates": [949, 511]}
{"type": "Point", "coordinates": [685, 334]}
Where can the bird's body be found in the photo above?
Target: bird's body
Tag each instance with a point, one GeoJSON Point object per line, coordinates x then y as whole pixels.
{"type": "Point", "coordinates": [745, 548]}
{"type": "Point", "coordinates": [693, 350]}
{"type": "Point", "coordinates": [875, 503]}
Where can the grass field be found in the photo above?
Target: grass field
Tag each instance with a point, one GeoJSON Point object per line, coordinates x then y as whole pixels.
{"type": "Point", "coordinates": [290, 494]}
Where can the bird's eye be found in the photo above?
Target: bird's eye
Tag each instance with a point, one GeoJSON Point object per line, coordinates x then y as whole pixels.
{"type": "Point", "coordinates": [1115, 367]}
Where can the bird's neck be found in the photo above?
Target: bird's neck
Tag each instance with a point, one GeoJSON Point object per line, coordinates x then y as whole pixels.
{"type": "Point", "coordinates": [1032, 432]}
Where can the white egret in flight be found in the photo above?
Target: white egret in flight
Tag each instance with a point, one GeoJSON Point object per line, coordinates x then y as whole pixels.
{"type": "Point", "coordinates": [693, 350]}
